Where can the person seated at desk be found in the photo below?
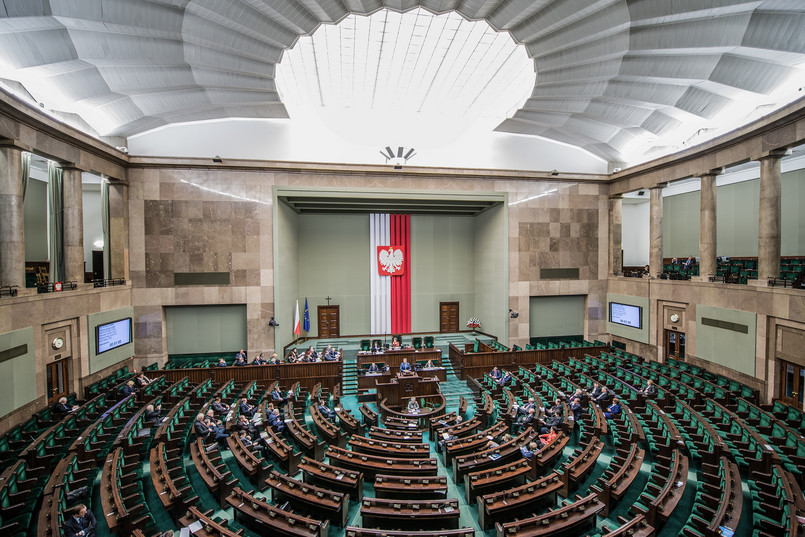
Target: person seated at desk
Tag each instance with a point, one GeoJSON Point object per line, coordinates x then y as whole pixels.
{"type": "Point", "coordinates": [218, 431]}
{"type": "Point", "coordinates": [405, 367]}
{"type": "Point", "coordinates": [614, 409]}
{"type": "Point", "coordinates": [273, 360]}
{"type": "Point", "coordinates": [523, 410]}
{"type": "Point", "coordinates": [650, 390]}
{"type": "Point", "coordinates": [61, 407]}
{"type": "Point", "coordinates": [550, 436]}
{"type": "Point", "coordinates": [429, 365]}
{"type": "Point", "coordinates": [395, 344]}
{"type": "Point", "coordinates": [152, 414]}
{"type": "Point", "coordinates": [141, 380]}
{"type": "Point", "coordinates": [553, 420]}
{"type": "Point", "coordinates": [82, 523]}
{"type": "Point", "coordinates": [689, 262]}
{"type": "Point", "coordinates": [576, 408]}
{"type": "Point", "coordinates": [276, 396]}
{"type": "Point", "coordinates": [505, 379]}
{"type": "Point", "coordinates": [312, 352]}
{"type": "Point", "coordinates": [221, 363]}
{"type": "Point", "coordinates": [259, 360]}
{"type": "Point", "coordinates": [275, 422]}
{"type": "Point", "coordinates": [675, 261]}
{"type": "Point", "coordinates": [325, 411]}
{"type": "Point", "coordinates": [219, 406]}
{"type": "Point", "coordinates": [373, 368]}
{"type": "Point", "coordinates": [525, 420]}
{"type": "Point", "coordinates": [413, 406]}
{"type": "Point", "coordinates": [240, 361]}
{"type": "Point", "coordinates": [330, 354]}
{"type": "Point", "coordinates": [376, 347]}
{"type": "Point", "coordinates": [495, 374]}
{"type": "Point", "coordinates": [292, 357]}
{"type": "Point", "coordinates": [245, 408]}
{"type": "Point", "coordinates": [244, 425]}
{"type": "Point", "coordinates": [603, 399]}
{"type": "Point", "coordinates": [241, 354]}
{"type": "Point", "coordinates": [129, 389]}
{"type": "Point", "coordinates": [528, 451]}
{"type": "Point", "coordinates": [594, 390]}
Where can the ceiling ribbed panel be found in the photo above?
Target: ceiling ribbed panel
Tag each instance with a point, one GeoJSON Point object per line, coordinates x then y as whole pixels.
{"type": "Point", "coordinates": [608, 71]}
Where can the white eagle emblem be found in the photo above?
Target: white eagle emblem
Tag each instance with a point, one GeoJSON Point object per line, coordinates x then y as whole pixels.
{"type": "Point", "coordinates": [391, 260]}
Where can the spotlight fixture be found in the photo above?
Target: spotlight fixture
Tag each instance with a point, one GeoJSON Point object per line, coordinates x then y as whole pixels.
{"type": "Point", "coordinates": [401, 157]}
{"type": "Point", "coordinates": [513, 314]}
{"type": "Point", "coordinates": [273, 323]}
{"type": "Point", "coordinates": [217, 159]}
{"type": "Point", "coordinates": [123, 149]}
{"type": "Point", "coordinates": [641, 192]}
{"type": "Point", "coordinates": [554, 173]}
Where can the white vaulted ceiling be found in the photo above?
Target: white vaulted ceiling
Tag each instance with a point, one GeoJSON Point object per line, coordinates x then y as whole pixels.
{"type": "Point", "coordinates": [618, 78]}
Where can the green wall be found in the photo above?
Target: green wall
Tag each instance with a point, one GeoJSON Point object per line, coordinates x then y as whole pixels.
{"type": "Point", "coordinates": [736, 219]}
{"type": "Point", "coordinates": [334, 262]}
{"type": "Point", "coordinates": [442, 268]}
{"type": "Point", "coordinates": [35, 213]}
{"type": "Point", "coordinates": [492, 271]}
{"type": "Point", "coordinates": [556, 315]}
{"type": "Point", "coordinates": [727, 347]}
{"type": "Point", "coordinates": [680, 225]}
{"type": "Point", "coordinates": [201, 329]}
{"type": "Point", "coordinates": [98, 362]}
{"type": "Point", "coordinates": [286, 275]}
{"type": "Point", "coordinates": [17, 375]}
{"type": "Point", "coordinates": [628, 332]}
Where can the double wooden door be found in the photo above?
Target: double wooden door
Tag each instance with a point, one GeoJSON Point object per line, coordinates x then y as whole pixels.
{"type": "Point", "coordinates": [674, 345]}
{"type": "Point", "coordinates": [329, 322]}
{"type": "Point", "coordinates": [448, 317]}
{"type": "Point", "coordinates": [792, 384]}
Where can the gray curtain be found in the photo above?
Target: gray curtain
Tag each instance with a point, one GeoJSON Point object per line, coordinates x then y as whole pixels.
{"type": "Point", "coordinates": [107, 265]}
{"type": "Point", "coordinates": [56, 214]}
{"type": "Point", "coordinates": [26, 171]}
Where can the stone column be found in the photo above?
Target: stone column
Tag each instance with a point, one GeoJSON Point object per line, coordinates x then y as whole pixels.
{"type": "Point", "coordinates": [616, 234]}
{"type": "Point", "coordinates": [119, 230]}
{"type": "Point", "coordinates": [707, 225]}
{"type": "Point", "coordinates": [73, 224]}
{"type": "Point", "coordinates": [12, 222]}
{"type": "Point", "coordinates": [768, 239]}
{"type": "Point", "coordinates": [655, 230]}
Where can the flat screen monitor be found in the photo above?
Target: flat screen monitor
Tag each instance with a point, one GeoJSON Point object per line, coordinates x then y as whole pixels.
{"type": "Point", "coordinates": [626, 314]}
{"type": "Point", "coordinates": [112, 335]}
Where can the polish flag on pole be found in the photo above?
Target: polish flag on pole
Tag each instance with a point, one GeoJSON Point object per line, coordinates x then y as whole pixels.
{"type": "Point", "coordinates": [297, 327]}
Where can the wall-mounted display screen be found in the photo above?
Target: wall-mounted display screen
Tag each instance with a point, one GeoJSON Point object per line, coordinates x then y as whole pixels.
{"type": "Point", "coordinates": [626, 314]}
{"type": "Point", "coordinates": [112, 335]}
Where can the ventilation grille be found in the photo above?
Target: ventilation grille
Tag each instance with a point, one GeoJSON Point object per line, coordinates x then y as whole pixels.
{"type": "Point", "coordinates": [726, 325]}
{"type": "Point", "coordinates": [559, 274]}
{"type": "Point", "coordinates": [13, 352]}
{"type": "Point", "coordinates": [201, 278]}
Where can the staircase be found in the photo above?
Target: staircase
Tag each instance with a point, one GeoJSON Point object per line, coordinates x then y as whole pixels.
{"type": "Point", "coordinates": [349, 375]}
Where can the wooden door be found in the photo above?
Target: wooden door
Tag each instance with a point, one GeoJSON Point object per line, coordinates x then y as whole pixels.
{"type": "Point", "coordinates": [329, 325]}
{"type": "Point", "coordinates": [674, 345]}
{"type": "Point", "coordinates": [58, 380]}
{"type": "Point", "coordinates": [792, 384]}
{"type": "Point", "coordinates": [448, 317]}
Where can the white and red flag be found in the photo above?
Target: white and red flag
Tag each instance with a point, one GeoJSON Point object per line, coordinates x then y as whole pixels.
{"type": "Point", "coordinates": [390, 243]}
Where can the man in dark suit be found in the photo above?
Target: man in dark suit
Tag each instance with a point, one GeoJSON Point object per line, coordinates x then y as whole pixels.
{"type": "Point", "coordinates": [219, 406]}
{"type": "Point", "coordinates": [405, 367]}
{"type": "Point", "coordinates": [221, 363]}
{"type": "Point", "coordinates": [200, 428]}
{"type": "Point", "coordinates": [505, 379]}
{"type": "Point", "coordinates": [603, 399]}
{"type": "Point", "coordinates": [276, 396]}
{"type": "Point", "coordinates": [275, 422]}
{"type": "Point", "coordinates": [650, 390]}
{"type": "Point", "coordinates": [61, 407]}
{"type": "Point", "coordinates": [82, 523]}
{"type": "Point", "coordinates": [523, 410]}
{"type": "Point", "coordinates": [373, 368]}
{"type": "Point", "coordinates": [152, 414]}
{"type": "Point", "coordinates": [594, 390]}
{"type": "Point", "coordinates": [245, 408]}
{"type": "Point", "coordinates": [325, 411]}
{"type": "Point", "coordinates": [129, 389]}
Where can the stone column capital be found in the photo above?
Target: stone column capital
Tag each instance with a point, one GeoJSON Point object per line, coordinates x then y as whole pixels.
{"type": "Point", "coordinates": [658, 186]}
{"type": "Point", "coordinates": [13, 144]}
{"type": "Point", "coordinates": [773, 154]}
{"type": "Point", "coordinates": [70, 166]}
{"type": "Point", "coordinates": [616, 196]}
{"type": "Point", "coordinates": [714, 172]}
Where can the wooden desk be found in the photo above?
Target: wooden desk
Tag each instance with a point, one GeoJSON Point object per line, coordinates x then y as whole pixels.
{"type": "Point", "coordinates": [333, 505]}
{"type": "Point", "coordinates": [333, 477]}
{"type": "Point", "coordinates": [410, 487]}
{"type": "Point", "coordinates": [570, 520]}
{"type": "Point", "coordinates": [371, 466]}
{"type": "Point", "coordinates": [410, 514]}
{"type": "Point", "coordinates": [270, 520]}
{"type": "Point", "coordinates": [393, 358]}
{"type": "Point", "coordinates": [511, 503]}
